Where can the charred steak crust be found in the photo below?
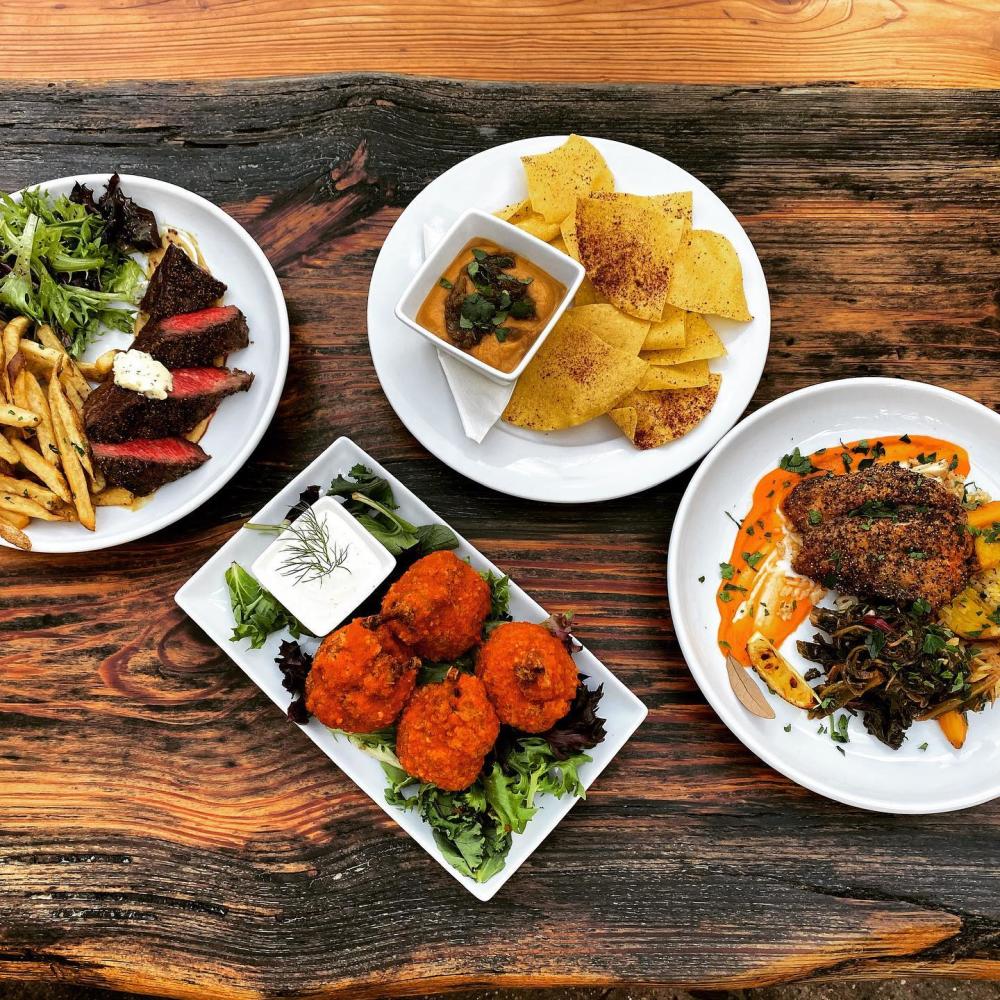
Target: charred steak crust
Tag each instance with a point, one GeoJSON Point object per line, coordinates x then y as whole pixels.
{"type": "Point", "coordinates": [195, 338]}
{"type": "Point", "coordinates": [885, 533]}
{"type": "Point", "coordinates": [834, 496]}
{"type": "Point", "coordinates": [179, 285]}
{"type": "Point", "coordinates": [113, 414]}
{"type": "Point", "coordinates": [145, 466]}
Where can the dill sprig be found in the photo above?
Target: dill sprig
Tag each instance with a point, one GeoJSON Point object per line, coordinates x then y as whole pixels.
{"type": "Point", "coordinates": [310, 555]}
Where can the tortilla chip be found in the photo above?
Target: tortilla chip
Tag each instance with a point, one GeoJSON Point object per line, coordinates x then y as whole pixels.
{"type": "Point", "coordinates": [708, 277]}
{"type": "Point", "coordinates": [568, 229]}
{"type": "Point", "coordinates": [669, 333]}
{"type": "Point", "coordinates": [605, 180]}
{"type": "Point", "coordinates": [557, 178]}
{"type": "Point", "coordinates": [613, 326]}
{"type": "Point", "coordinates": [701, 343]}
{"type": "Point", "coordinates": [559, 244]}
{"type": "Point", "coordinates": [574, 377]}
{"type": "Point", "coordinates": [537, 226]}
{"type": "Point", "coordinates": [678, 205]}
{"type": "Point", "coordinates": [687, 376]}
{"type": "Point", "coordinates": [514, 212]}
{"type": "Point", "coordinates": [627, 244]}
{"type": "Point", "coordinates": [650, 419]}
{"type": "Point", "coordinates": [586, 294]}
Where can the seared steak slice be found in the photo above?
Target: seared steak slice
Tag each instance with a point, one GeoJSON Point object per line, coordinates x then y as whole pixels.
{"type": "Point", "coordinates": [833, 496]}
{"type": "Point", "coordinates": [145, 466]}
{"type": "Point", "coordinates": [195, 338]}
{"type": "Point", "coordinates": [113, 414]}
{"type": "Point", "coordinates": [179, 285]}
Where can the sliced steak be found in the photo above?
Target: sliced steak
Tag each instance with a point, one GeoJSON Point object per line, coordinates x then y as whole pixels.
{"type": "Point", "coordinates": [113, 414]}
{"type": "Point", "coordinates": [145, 466]}
{"type": "Point", "coordinates": [194, 338]}
{"type": "Point", "coordinates": [179, 285]}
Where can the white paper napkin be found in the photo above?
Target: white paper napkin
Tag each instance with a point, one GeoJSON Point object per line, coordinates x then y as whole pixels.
{"type": "Point", "coordinates": [479, 400]}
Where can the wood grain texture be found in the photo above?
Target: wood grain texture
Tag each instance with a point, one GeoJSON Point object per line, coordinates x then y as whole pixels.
{"type": "Point", "coordinates": [164, 829]}
{"type": "Point", "coordinates": [917, 43]}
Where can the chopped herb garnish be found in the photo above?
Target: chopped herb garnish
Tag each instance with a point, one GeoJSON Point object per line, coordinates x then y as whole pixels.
{"type": "Point", "coordinates": [798, 463]}
{"type": "Point", "coordinates": [726, 570]}
{"type": "Point", "coordinates": [815, 517]}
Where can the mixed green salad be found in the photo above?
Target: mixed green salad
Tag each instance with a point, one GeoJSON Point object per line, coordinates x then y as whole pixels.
{"type": "Point", "coordinates": [66, 261]}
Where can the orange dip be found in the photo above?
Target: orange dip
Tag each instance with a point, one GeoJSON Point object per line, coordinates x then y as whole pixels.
{"type": "Point", "coordinates": [762, 533]}
{"type": "Point", "coordinates": [501, 350]}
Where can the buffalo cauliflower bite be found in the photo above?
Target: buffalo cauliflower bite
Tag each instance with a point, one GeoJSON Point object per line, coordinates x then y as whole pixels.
{"type": "Point", "coordinates": [438, 606]}
{"type": "Point", "coordinates": [529, 676]}
{"type": "Point", "coordinates": [446, 731]}
{"type": "Point", "coordinates": [361, 677]}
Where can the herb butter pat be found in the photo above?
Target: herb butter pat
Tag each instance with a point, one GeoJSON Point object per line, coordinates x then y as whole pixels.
{"type": "Point", "coordinates": [142, 373]}
{"type": "Point", "coordinates": [322, 566]}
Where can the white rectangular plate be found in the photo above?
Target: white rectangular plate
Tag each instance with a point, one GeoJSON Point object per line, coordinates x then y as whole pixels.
{"type": "Point", "coordinates": [205, 598]}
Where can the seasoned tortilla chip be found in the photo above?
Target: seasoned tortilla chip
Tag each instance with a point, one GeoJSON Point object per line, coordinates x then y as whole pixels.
{"type": "Point", "coordinates": [708, 277]}
{"type": "Point", "coordinates": [649, 419]}
{"type": "Point", "coordinates": [605, 180]}
{"type": "Point", "coordinates": [627, 244]}
{"type": "Point", "coordinates": [669, 333]}
{"type": "Point", "coordinates": [557, 178]}
{"type": "Point", "coordinates": [574, 377]}
{"type": "Point", "coordinates": [686, 376]}
{"type": "Point", "coordinates": [559, 244]}
{"type": "Point", "coordinates": [701, 343]}
{"type": "Point", "coordinates": [537, 226]}
{"type": "Point", "coordinates": [678, 205]}
{"type": "Point", "coordinates": [514, 212]}
{"type": "Point", "coordinates": [586, 294]}
{"type": "Point", "coordinates": [613, 326]}
{"type": "Point", "coordinates": [568, 229]}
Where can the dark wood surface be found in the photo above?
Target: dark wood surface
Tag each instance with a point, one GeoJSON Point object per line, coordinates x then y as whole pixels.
{"type": "Point", "coordinates": [164, 830]}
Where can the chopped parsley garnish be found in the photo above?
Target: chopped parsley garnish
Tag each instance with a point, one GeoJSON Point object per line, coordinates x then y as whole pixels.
{"type": "Point", "coordinates": [815, 517]}
{"type": "Point", "coordinates": [752, 558]}
{"type": "Point", "coordinates": [726, 570]}
{"type": "Point", "coordinates": [445, 283]}
{"type": "Point", "coordinates": [798, 463]}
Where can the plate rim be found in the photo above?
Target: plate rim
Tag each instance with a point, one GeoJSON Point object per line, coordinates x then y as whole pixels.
{"type": "Point", "coordinates": [186, 598]}
{"type": "Point", "coordinates": [91, 541]}
{"type": "Point", "coordinates": [604, 488]}
{"type": "Point", "coordinates": [732, 721]}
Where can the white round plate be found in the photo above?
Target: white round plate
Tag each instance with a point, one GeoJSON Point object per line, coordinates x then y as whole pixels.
{"type": "Point", "coordinates": [587, 463]}
{"type": "Point", "coordinates": [239, 423]}
{"type": "Point", "coordinates": [869, 774]}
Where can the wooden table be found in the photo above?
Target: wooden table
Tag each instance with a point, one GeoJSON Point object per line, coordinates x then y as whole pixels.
{"type": "Point", "coordinates": [163, 829]}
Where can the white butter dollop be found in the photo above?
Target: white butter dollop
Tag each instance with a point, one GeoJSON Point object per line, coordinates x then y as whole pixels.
{"type": "Point", "coordinates": [141, 372]}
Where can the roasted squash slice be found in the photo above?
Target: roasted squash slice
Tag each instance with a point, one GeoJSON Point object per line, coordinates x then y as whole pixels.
{"type": "Point", "coordinates": [986, 520]}
{"type": "Point", "coordinates": [778, 674]}
{"type": "Point", "coordinates": [975, 613]}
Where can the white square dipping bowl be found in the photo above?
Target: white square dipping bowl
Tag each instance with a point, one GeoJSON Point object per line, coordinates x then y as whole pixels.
{"type": "Point", "coordinates": [469, 226]}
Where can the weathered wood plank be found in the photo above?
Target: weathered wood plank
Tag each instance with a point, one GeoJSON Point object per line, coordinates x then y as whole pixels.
{"type": "Point", "coordinates": [163, 829]}
{"type": "Point", "coordinates": [922, 43]}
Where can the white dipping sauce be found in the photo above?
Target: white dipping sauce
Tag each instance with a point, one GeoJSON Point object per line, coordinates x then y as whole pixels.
{"type": "Point", "coordinates": [322, 603]}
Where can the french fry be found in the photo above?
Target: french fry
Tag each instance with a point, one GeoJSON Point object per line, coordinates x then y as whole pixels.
{"type": "Point", "coordinates": [71, 373]}
{"type": "Point", "coordinates": [198, 431]}
{"type": "Point", "coordinates": [14, 535]}
{"type": "Point", "coordinates": [114, 496]}
{"type": "Point", "coordinates": [64, 415]}
{"type": "Point", "coordinates": [38, 402]}
{"type": "Point", "coordinates": [17, 520]}
{"type": "Point", "coordinates": [25, 505]}
{"type": "Point", "coordinates": [71, 458]}
{"type": "Point", "coordinates": [7, 452]}
{"type": "Point", "coordinates": [71, 394]}
{"type": "Point", "coordinates": [38, 466]}
{"type": "Point", "coordinates": [31, 491]}
{"type": "Point", "coordinates": [16, 416]}
{"type": "Point", "coordinates": [11, 337]}
{"type": "Point", "coordinates": [40, 360]}
{"type": "Point", "coordinates": [99, 370]}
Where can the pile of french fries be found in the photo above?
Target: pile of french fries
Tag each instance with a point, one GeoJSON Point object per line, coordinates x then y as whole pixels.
{"type": "Point", "coordinates": [46, 471]}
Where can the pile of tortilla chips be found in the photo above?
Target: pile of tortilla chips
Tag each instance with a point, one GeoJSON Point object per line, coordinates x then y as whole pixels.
{"type": "Point", "coordinates": [635, 345]}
